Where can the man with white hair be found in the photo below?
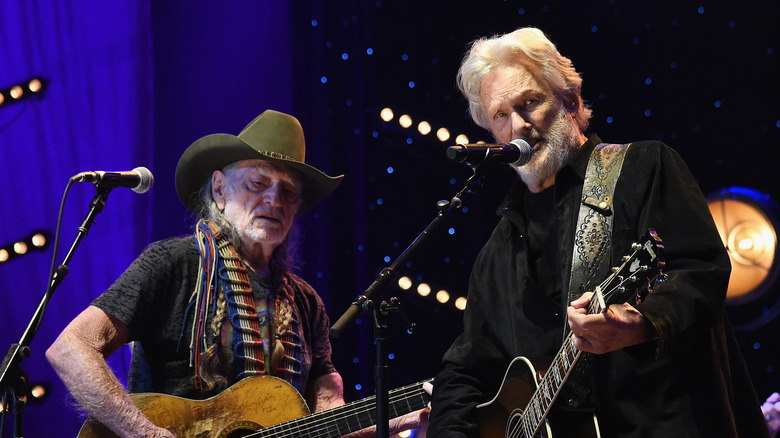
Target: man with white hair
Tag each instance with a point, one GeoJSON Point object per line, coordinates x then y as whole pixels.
{"type": "Point", "coordinates": [665, 366]}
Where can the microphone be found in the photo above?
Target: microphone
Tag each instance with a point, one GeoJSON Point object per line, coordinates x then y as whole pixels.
{"type": "Point", "coordinates": [517, 152]}
{"type": "Point", "coordinates": [139, 179]}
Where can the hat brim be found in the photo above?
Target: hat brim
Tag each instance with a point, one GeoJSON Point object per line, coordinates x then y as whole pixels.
{"type": "Point", "coordinates": [215, 151]}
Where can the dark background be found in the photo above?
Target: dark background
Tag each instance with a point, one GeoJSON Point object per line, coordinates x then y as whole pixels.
{"type": "Point", "coordinates": [700, 76]}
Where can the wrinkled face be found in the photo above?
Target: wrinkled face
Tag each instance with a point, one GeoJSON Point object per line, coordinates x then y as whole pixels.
{"type": "Point", "coordinates": [519, 106]}
{"type": "Point", "coordinates": [260, 199]}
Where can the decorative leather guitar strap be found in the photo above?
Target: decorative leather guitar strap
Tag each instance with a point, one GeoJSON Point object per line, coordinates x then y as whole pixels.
{"type": "Point", "coordinates": [592, 240]}
{"type": "Point", "coordinates": [593, 235]}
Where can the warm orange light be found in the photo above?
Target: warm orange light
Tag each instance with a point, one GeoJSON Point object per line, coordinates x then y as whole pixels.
{"type": "Point", "coordinates": [386, 114]}
{"type": "Point", "coordinates": [35, 85]}
{"type": "Point", "coordinates": [460, 303]}
{"type": "Point", "coordinates": [405, 121]}
{"type": "Point", "coordinates": [16, 92]}
{"type": "Point", "coordinates": [462, 139]}
{"type": "Point", "coordinates": [38, 240]}
{"type": "Point", "coordinates": [443, 134]}
{"type": "Point", "coordinates": [442, 296]}
{"type": "Point", "coordinates": [424, 128]}
{"type": "Point", "coordinates": [750, 238]}
{"type": "Point", "coordinates": [423, 289]}
{"type": "Point", "coordinates": [405, 283]}
{"type": "Point", "coordinates": [20, 248]}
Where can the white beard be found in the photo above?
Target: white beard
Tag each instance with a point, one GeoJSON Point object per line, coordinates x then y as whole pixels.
{"type": "Point", "coordinates": [557, 147]}
{"type": "Point", "coordinates": [249, 233]}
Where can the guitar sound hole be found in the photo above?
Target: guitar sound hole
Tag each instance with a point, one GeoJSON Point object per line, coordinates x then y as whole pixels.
{"type": "Point", "coordinates": [239, 429]}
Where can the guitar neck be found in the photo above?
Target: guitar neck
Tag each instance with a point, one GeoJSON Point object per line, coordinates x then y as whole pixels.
{"type": "Point", "coordinates": [549, 388]}
{"type": "Point", "coordinates": [350, 417]}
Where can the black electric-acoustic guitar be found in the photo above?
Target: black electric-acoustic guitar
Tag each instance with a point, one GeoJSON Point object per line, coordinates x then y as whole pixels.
{"type": "Point", "coordinates": [521, 408]}
{"type": "Point", "coordinates": [261, 406]}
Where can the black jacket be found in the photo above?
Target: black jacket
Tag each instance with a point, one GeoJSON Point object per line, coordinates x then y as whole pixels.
{"type": "Point", "coordinates": [690, 382]}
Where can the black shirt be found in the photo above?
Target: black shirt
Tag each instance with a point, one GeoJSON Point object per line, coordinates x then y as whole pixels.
{"type": "Point", "coordinates": [690, 382]}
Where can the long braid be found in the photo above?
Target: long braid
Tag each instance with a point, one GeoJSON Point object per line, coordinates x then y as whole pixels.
{"type": "Point", "coordinates": [209, 359]}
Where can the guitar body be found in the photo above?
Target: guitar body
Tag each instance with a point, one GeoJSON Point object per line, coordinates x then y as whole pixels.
{"type": "Point", "coordinates": [497, 417]}
{"type": "Point", "coordinates": [524, 406]}
{"type": "Point", "coordinates": [263, 407]}
{"type": "Point", "coordinates": [247, 406]}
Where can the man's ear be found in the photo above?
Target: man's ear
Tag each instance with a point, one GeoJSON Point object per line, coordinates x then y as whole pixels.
{"type": "Point", "coordinates": [571, 102]}
{"type": "Point", "coordinates": [218, 182]}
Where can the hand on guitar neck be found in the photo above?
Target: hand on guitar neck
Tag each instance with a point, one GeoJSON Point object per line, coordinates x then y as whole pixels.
{"type": "Point", "coordinates": [620, 326]}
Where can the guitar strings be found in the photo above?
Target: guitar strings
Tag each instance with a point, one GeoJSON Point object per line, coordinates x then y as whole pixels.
{"type": "Point", "coordinates": [327, 417]}
{"type": "Point", "coordinates": [306, 426]}
{"type": "Point", "coordinates": [525, 427]}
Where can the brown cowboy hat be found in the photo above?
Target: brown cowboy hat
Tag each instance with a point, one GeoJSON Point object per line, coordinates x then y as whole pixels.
{"type": "Point", "coordinates": [271, 136]}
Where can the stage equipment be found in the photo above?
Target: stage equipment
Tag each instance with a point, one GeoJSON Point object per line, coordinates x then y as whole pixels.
{"type": "Point", "coordinates": [36, 241]}
{"type": "Point", "coordinates": [34, 87]}
{"type": "Point", "coordinates": [747, 225]}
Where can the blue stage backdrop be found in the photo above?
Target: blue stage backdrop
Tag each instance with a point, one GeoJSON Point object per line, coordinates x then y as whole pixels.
{"type": "Point", "coordinates": [133, 83]}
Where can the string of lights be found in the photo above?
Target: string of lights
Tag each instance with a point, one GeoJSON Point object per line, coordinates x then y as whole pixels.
{"type": "Point", "coordinates": [36, 241]}
{"type": "Point", "coordinates": [34, 87]}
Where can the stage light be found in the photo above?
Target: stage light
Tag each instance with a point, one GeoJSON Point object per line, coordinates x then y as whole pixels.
{"type": "Point", "coordinates": [23, 90]}
{"type": "Point", "coordinates": [405, 283]}
{"type": "Point", "coordinates": [35, 85]}
{"type": "Point", "coordinates": [39, 240]}
{"type": "Point", "coordinates": [424, 128]}
{"type": "Point", "coordinates": [39, 391]}
{"type": "Point", "coordinates": [20, 248]}
{"type": "Point", "coordinates": [423, 289]}
{"type": "Point", "coordinates": [460, 303]}
{"type": "Point", "coordinates": [443, 134]}
{"type": "Point", "coordinates": [405, 121]}
{"type": "Point", "coordinates": [386, 114]}
{"type": "Point", "coordinates": [15, 92]}
{"type": "Point", "coordinates": [462, 139]}
{"type": "Point", "coordinates": [746, 222]}
{"type": "Point", "coordinates": [442, 296]}
{"type": "Point", "coordinates": [36, 241]}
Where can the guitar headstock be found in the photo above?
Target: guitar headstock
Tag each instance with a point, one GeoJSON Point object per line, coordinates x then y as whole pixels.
{"type": "Point", "coordinates": [637, 273]}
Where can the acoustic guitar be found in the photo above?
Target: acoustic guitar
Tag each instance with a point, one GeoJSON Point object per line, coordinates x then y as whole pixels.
{"type": "Point", "coordinates": [522, 405]}
{"type": "Point", "coordinates": [261, 406]}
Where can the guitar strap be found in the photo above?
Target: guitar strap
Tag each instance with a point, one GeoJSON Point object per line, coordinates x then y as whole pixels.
{"type": "Point", "coordinates": [592, 240]}
{"type": "Point", "coordinates": [593, 235]}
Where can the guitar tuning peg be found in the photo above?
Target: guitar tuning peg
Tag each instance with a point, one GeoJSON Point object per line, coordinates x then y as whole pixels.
{"type": "Point", "coordinates": [635, 246]}
{"type": "Point", "coordinates": [615, 269]}
{"type": "Point", "coordinates": [626, 258]}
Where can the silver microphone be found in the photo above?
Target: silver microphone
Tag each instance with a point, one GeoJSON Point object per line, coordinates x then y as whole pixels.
{"type": "Point", "coordinates": [517, 152]}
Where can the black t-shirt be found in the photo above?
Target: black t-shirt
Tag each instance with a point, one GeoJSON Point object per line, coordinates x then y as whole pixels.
{"type": "Point", "coordinates": [152, 297]}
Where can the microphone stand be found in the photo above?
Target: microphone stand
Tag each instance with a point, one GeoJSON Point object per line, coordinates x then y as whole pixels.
{"type": "Point", "coordinates": [363, 302]}
{"type": "Point", "coordinates": [12, 377]}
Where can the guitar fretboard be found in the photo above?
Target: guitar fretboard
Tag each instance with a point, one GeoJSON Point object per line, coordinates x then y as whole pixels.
{"type": "Point", "coordinates": [548, 390]}
{"type": "Point", "coordinates": [349, 418]}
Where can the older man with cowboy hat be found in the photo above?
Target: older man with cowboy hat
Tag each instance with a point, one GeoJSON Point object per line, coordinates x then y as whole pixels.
{"type": "Point", "coordinates": [207, 310]}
